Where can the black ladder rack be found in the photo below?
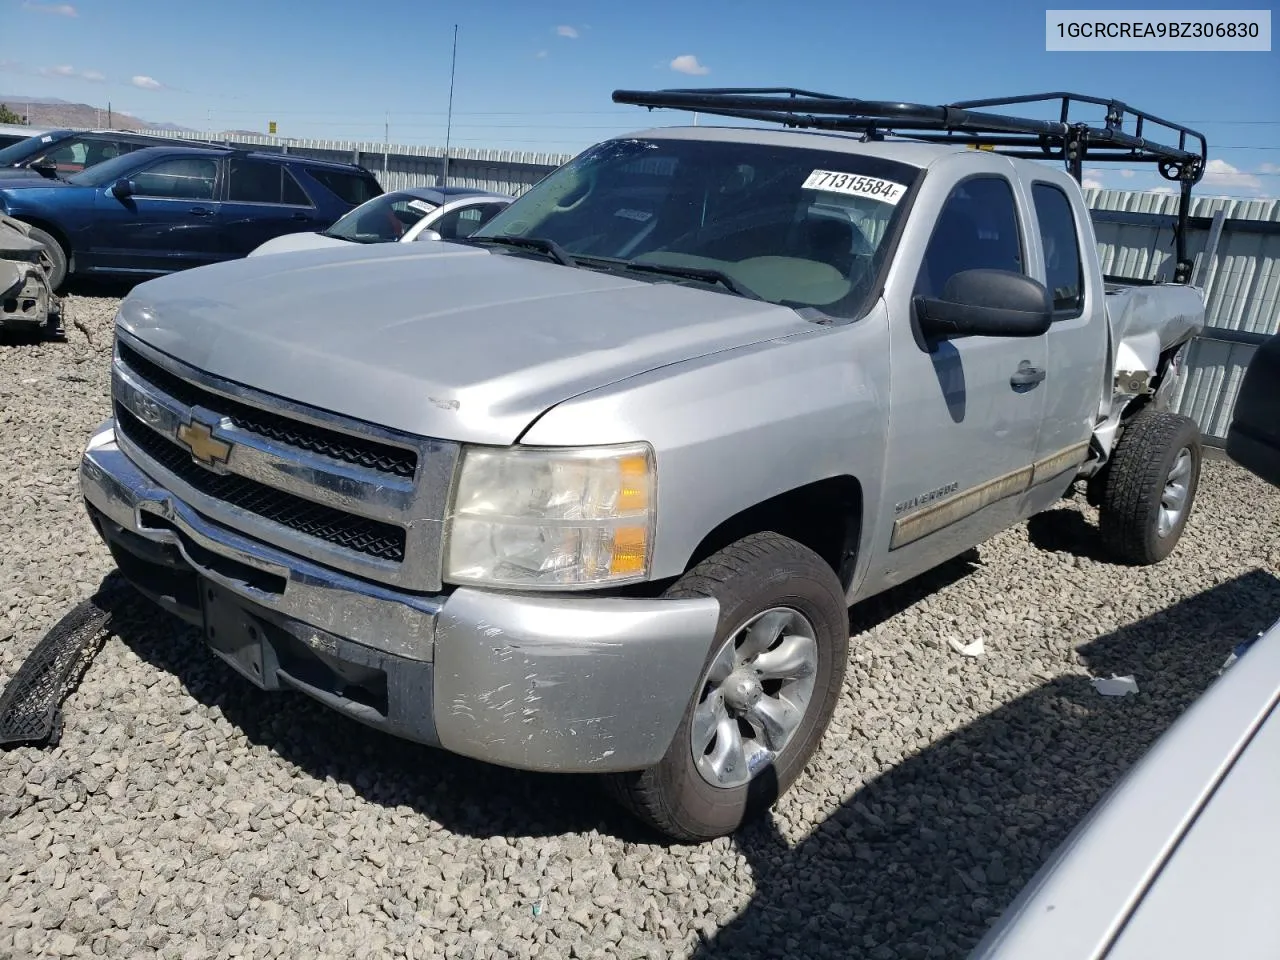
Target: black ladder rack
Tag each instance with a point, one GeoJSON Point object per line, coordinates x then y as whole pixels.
{"type": "Point", "coordinates": [970, 123]}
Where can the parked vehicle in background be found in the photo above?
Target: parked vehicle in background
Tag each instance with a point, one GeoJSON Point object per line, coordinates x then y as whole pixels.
{"type": "Point", "coordinates": [11, 134]}
{"type": "Point", "coordinates": [60, 153]}
{"type": "Point", "coordinates": [403, 216]}
{"type": "Point", "coordinates": [1177, 860]}
{"type": "Point", "coordinates": [592, 489]}
{"type": "Point", "coordinates": [160, 209]}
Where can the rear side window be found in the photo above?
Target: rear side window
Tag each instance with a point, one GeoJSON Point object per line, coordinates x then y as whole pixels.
{"type": "Point", "coordinates": [255, 181]}
{"type": "Point", "coordinates": [352, 188]}
{"type": "Point", "coordinates": [1064, 270]}
{"type": "Point", "coordinates": [976, 230]}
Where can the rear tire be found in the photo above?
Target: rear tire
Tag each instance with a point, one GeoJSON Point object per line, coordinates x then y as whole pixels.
{"type": "Point", "coordinates": [1149, 487]}
{"type": "Point", "coordinates": [55, 259]}
{"type": "Point", "coordinates": [765, 580]}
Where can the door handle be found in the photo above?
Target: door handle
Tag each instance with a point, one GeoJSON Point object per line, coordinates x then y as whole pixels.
{"type": "Point", "coordinates": [1026, 375]}
{"type": "Point", "coordinates": [201, 211]}
{"type": "Point", "coordinates": [301, 216]}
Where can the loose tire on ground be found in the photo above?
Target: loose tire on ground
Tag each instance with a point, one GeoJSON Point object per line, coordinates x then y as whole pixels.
{"type": "Point", "coordinates": [56, 263]}
{"type": "Point", "coordinates": [1154, 468]}
{"type": "Point", "coordinates": [759, 575]}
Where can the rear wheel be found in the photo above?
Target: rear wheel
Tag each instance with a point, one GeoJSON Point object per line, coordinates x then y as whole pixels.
{"type": "Point", "coordinates": [765, 697]}
{"type": "Point", "coordinates": [1148, 487]}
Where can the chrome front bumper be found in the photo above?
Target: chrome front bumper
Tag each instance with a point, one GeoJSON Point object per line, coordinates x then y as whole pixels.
{"type": "Point", "coordinates": [568, 683]}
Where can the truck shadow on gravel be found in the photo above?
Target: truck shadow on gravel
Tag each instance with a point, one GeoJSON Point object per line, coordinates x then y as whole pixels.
{"type": "Point", "coordinates": [919, 862]}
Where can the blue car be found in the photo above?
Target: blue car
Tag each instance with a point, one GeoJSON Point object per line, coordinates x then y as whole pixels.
{"type": "Point", "coordinates": [163, 209]}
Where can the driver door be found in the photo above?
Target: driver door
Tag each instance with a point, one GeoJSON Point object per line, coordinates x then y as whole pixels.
{"type": "Point", "coordinates": [170, 222]}
{"type": "Point", "coordinates": [962, 431]}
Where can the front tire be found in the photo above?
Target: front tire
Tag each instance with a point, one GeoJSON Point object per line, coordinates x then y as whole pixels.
{"type": "Point", "coordinates": [766, 695]}
{"type": "Point", "coordinates": [54, 259]}
{"type": "Point", "coordinates": [1149, 487]}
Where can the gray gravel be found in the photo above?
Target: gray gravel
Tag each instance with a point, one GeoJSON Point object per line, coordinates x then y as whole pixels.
{"type": "Point", "coordinates": [184, 814]}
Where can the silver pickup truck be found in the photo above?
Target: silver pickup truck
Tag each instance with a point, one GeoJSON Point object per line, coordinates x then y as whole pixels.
{"type": "Point", "coordinates": [593, 490]}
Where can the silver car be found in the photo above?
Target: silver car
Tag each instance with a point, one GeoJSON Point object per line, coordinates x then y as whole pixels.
{"type": "Point", "coordinates": [414, 213]}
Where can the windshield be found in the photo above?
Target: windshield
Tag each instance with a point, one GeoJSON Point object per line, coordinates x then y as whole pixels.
{"type": "Point", "coordinates": [383, 219]}
{"type": "Point", "coordinates": [25, 149]}
{"type": "Point", "coordinates": [796, 226]}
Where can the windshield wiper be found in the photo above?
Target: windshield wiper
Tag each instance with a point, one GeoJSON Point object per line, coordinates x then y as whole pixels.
{"type": "Point", "coordinates": [549, 247]}
{"type": "Point", "coordinates": [705, 274]}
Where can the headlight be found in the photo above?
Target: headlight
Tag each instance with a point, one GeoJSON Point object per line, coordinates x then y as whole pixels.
{"type": "Point", "coordinates": [552, 518]}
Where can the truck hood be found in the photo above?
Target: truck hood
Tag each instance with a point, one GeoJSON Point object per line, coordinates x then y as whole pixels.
{"type": "Point", "coordinates": [449, 341]}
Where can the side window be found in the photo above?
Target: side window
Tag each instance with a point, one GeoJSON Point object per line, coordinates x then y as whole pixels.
{"type": "Point", "coordinates": [185, 178]}
{"type": "Point", "coordinates": [293, 194]}
{"type": "Point", "coordinates": [253, 181]}
{"type": "Point", "coordinates": [977, 229]}
{"type": "Point", "coordinates": [459, 223]}
{"type": "Point", "coordinates": [1064, 270]}
{"type": "Point", "coordinates": [351, 188]}
{"type": "Point", "coordinates": [69, 156]}
{"type": "Point", "coordinates": [488, 211]}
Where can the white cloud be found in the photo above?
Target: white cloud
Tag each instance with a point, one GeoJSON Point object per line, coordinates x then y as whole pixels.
{"type": "Point", "coordinates": [688, 63]}
{"type": "Point", "coordinates": [1269, 168]}
{"type": "Point", "coordinates": [567, 31]}
{"type": "Point", "coordinates": [1165, 191]}
{"type": "Point", "coordinates": [1091, 183]}
{"type": "Point", "coordinates": [541, 54]}
{"type": "Point", "coordinates": [57, 9]}
{"type": "Point", "coordinates": [70, 72]}
{"type": "Point", "coordinates": [1127, 174]}
{"type": "Point", "coordinates": [1219, 173]}
{"type": "Point", "coordinates": [147, 83]}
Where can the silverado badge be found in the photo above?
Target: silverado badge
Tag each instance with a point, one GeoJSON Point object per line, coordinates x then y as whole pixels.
{"type": "Point", "coordinates": [204, 446]}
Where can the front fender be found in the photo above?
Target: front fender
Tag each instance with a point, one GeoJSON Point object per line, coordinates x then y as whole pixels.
{"type": "Point", "coordinates": [735, 428]}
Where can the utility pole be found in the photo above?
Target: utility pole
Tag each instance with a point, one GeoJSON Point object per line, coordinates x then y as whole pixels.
{"type": "Point", "coordinates": [386, 145]}
{"type": "Point", "coordinates": [448, 124]}
{"type": "Point", "coordinates": [109, 123]}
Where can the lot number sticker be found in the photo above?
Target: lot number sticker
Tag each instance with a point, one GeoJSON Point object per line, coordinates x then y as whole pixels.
{"type": "Point", "coordinates": [422, 205]}
{"type": "Point", "coordinates": [872, 188]}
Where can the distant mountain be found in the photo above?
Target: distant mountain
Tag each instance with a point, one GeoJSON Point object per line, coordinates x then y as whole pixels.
{"type": "Point", "coordinates": [51, 112]}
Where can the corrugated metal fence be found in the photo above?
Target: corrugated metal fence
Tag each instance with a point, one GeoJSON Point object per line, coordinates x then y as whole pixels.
{"type": "Point", "coordinates": [1241, 278]}
{"type": "Point", "coordinates": [1135, 239]}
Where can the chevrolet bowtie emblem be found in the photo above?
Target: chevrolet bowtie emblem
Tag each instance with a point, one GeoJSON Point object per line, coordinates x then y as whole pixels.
{"type": "Point", "coordinates": [204, 446]}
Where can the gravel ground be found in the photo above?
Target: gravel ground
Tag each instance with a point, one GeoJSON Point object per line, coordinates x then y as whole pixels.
{"type": "Point", "coordinates": [185, 814]}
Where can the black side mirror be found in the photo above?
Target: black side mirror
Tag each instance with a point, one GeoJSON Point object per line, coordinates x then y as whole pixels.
{"type": "Point", "coordinates": [987, 303]}
{"type": "Point", "coordinates": [1253, 439]}
{"type": "Point", "coordinates": [122, 188]}
{"type": "Point", "coordinates": [46, 168]}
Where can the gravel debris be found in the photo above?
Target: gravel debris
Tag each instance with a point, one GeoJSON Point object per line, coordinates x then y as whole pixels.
{"type": "Point", "coordinates": [185, 814]}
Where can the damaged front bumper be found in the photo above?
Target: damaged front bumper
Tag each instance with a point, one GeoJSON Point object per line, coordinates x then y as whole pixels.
{"type": "Point", "coordinates": [549, 683]}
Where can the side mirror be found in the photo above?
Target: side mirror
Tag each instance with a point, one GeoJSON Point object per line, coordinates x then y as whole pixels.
{"type": "Point", "coordinates": [987, 303]}
{"type": "Point", "coordinates": [122, 188]}
{"type": "Point", "coordinates": [428, 235]}
{"type": "Point", "coordinates": [46, 168]}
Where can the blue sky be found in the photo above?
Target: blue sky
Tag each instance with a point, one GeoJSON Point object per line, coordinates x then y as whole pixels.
{"type": "Point", "coordinates": [538, 76]}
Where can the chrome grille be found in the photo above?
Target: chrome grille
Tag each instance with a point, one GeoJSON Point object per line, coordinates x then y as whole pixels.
{"type": "Point", "coordinates": [350, 495]}
{"type": "Point", "coordinates": [360, 534]}
{"type": "Point", "coordinates": [304, 436]}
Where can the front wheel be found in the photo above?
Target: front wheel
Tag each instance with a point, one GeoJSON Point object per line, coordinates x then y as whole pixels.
{"type": "Point", "coordinates": [765, 697]}
{"type": "Point", "coordinates": [53, 258]}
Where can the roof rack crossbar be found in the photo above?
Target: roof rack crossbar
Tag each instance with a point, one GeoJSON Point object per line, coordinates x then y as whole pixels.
{"type": "Point", "coordinates": [969, 123]}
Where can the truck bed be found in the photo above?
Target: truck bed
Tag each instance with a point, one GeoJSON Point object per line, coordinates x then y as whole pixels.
{"type": "Point", "coordinates": [1148, 319]}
